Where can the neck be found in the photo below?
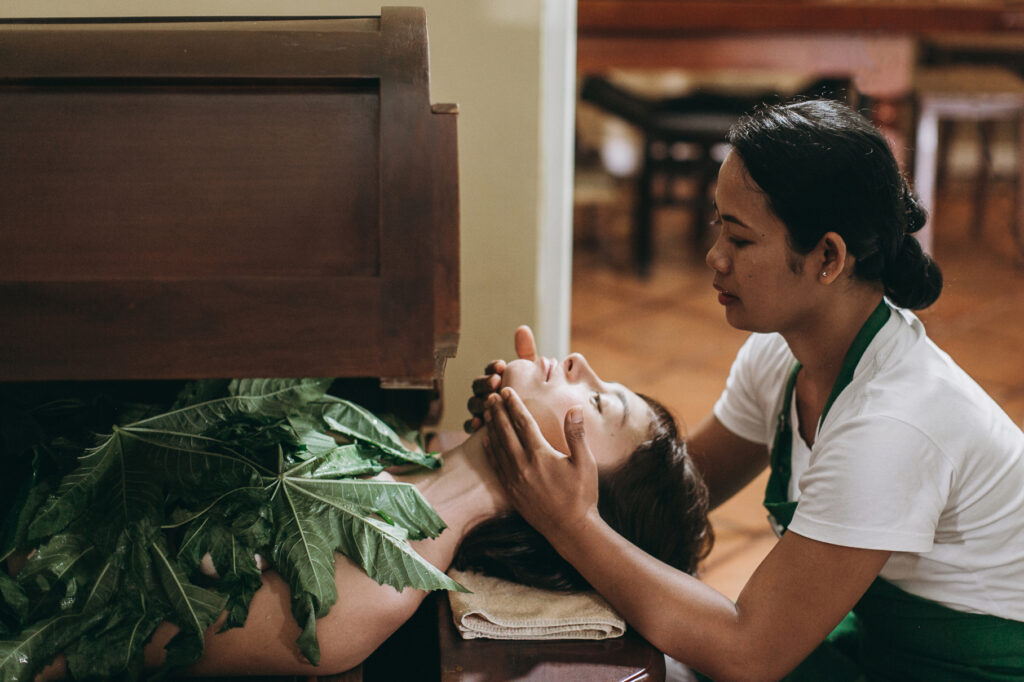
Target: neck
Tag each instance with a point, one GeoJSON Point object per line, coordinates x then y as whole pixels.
{"type": "Point", "coordinates": [822, 342]}
{"type": "Point", "coordinates": [465, 490]}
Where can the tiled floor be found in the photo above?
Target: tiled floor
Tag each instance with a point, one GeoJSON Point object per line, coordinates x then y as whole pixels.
{"type": "Point", "coordinates": [667, 336]}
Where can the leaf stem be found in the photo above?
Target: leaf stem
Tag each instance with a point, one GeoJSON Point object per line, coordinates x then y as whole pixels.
{"type": "Point", "coordinates": [211, 506]}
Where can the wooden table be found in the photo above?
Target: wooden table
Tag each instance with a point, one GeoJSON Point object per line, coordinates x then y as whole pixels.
{"type": "Point", "coordinates": [874, 43]}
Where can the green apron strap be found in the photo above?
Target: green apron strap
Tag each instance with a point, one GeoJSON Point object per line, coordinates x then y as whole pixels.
{"type": "Point", "coordinates": [867, 333]}
{"type": "Point", "coordinates": [776, 495]}
{"type": "Point", "coordinates": [776, 498]}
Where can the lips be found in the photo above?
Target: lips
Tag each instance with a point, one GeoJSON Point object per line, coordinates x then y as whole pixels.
{"type": "Point", "coordinates": [724, 297]}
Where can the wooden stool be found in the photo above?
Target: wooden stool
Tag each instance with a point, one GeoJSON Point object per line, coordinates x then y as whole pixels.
{"type": "Point", "coordinates": [970, 93]}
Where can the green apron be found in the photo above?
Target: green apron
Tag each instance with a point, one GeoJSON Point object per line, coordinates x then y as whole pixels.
{"type": "Point", "coordinates": [892, 634]}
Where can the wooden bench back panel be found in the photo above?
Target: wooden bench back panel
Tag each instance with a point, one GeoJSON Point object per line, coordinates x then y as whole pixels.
{"type": "Point", "coordinates": [225, 198]}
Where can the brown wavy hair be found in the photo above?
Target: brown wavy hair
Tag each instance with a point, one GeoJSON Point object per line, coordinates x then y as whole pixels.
{"type": "Point", "coordinates": [656, 499]}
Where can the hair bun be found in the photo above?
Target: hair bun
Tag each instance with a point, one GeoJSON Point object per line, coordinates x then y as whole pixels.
{"type": "Point", "coordinates": [916, 216]}
{"type": "Point", "coordinates": [913, 279]}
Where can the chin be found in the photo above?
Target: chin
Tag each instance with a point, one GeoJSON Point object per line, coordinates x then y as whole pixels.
{"type": "Point", "coordinates": [737, 319]}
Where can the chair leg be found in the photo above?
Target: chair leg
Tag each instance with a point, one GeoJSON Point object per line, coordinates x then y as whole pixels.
{"type": "Point", "coordinates": [702, 206]}
{"type": "Point", "coordinates": [642, 222]}
{"type": "Point", "coordinates": [985, 135]}
{"type": "Point", "coordinates": [1018, 195]}
{"type": "Point", "coordinates": [946, 130]}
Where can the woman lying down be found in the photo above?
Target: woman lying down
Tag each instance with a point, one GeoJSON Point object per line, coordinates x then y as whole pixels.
{"type": "Point", "coordinates": [650, 493]}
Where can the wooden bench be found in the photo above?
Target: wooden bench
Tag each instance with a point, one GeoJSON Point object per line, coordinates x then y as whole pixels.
{"type": "Point", "coordinates": [186, 198]}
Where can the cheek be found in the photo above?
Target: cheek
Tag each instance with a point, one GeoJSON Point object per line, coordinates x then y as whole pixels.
{"type": "Point", "coordinates": [608, 449]}
{"type": "Point", "coordinates": [550, 417]}
{"type": "Point", "coordinates": [520, 375]}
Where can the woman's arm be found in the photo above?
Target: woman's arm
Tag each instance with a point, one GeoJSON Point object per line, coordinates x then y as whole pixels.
{"type": "Point", "coordinates": [726, 462]}
{"type": "Point", "coordinates": [365, 614]}
{"type": "Point", "coordinates": [793, 600]}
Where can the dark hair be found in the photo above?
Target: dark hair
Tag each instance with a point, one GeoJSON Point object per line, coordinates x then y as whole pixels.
{"type": "Point", "coordinates": [656, 499]}
{"type": "Point", "coordinates": [824, 167]}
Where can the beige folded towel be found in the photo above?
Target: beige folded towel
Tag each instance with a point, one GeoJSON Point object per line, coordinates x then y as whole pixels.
{"type": "Point", "coordinates": [499, 609]}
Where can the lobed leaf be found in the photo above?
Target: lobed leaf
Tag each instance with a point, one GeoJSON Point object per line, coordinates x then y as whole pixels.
{"type": "Point", "coordinates": [78, 488]}
{"type": "Point", "coordinates": [193, 609]}
{"type": "Point", "coordinates": [379, 547]}
{"type": "Point", "coordinates": [354, 422]}
{"type": "Point", "coordinates": [402, 503]}
{"type": "Point", "coordinates": [342, 461]}
{"type": "Point", "coordinates": [304, 556]}
{"type": "Point", "coordinates": [25, 655]}
{"type": "Point", "coordinates": [232, 475]}
{"type": "Point", "coordinates": [55, 577]}
{"type": "Point", "coordinates": [115, 646]}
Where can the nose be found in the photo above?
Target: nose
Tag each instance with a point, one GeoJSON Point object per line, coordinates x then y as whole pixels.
{"type": "Point", "coordinates": [716, 258]}
{"type": "Point", "coordinates": [578, 369]}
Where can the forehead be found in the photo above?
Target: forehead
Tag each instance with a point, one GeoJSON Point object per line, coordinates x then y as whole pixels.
{"type": "Point", "coordinates": [735, 183]}
{"type": "Point", "coordinates": [639, 417]}
{"type": "Point", "coordinates": [740, 201]}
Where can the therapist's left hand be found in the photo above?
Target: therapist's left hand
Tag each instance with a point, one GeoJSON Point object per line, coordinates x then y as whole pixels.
{"type": "Point", "coordinates": [553, 492]}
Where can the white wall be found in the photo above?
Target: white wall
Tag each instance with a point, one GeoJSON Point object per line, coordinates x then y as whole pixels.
{"type": "Point", "coordinates": [510, 65]}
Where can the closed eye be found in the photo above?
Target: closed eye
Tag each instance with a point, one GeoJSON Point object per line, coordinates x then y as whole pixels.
{"type": "Point", "coordinates": [597, 403]}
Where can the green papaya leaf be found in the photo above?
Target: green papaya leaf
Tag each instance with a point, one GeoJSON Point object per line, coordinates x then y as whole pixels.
{"type": "Point", "coordinates": [304, 556]}
{"type": "Point", "coordinates": [380, 547]}
{"type": "Point", "coordinates": [194, 609]}
{"type": "Point", "coordinates": [261, 470]}
{"type": "Point", "coordinates": [402, 503]}
{"type": "Point", "coordinates": [25, 655]}
{"type": "Point", "coordinates": [14, 603]}
{"type": "Point", "coordinates": [104, 586]}
{"type": "Point", "coordinates": [31, 496]}
{"type": "Point", "coordinates": [233, 559]}
{"type": "Point", "coordinates": [114, 646]}
{"type": "Point", "coordinates": [54, 577]}
{"type": "Point", "coordinates": [342, 461]}
{"type": "Point", "coordinates": [354, 421]}
{"type": "Point", "coordinates": [78, 489]}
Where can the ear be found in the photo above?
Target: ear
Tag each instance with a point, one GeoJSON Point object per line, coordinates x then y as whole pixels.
{"type": "Point", "coordinates": [831, 258]}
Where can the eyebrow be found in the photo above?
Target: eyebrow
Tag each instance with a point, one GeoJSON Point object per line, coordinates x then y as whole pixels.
{"type": "Point", "coordinates": [726, 217]}
{"type": "Point", "coordinates": [621, 395]}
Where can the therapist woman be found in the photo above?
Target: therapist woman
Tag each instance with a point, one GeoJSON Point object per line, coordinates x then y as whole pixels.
{"type": "Point", "coordinates": [897, 484]}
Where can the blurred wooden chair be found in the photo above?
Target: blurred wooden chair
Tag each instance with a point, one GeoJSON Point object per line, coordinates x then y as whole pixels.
{"type": "Point", "coordinates": [684, 138]}
{"type": "Point", "coordinates": [983, 95]}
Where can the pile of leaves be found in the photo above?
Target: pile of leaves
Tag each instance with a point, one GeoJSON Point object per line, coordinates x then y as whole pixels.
{"type": "Point", "coordinates": [276, 467]}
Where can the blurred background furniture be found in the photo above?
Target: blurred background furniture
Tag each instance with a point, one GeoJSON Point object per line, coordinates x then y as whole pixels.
{"type": "Point", "coordinates": [684, 137]}
{"type": "Point", "coordinates": [982, 95]}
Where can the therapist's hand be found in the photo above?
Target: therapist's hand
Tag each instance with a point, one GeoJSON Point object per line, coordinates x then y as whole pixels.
{"type": "Point", "coordinates": [490, 380]}
{"type": "Point", "coordinates": [553, 492]}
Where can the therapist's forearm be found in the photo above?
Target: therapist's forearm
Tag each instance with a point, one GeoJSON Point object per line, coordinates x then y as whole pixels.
{"type": "Point", "coordinates": [674, 611]}
{"type": "Point", "coordinates": [794, 598]}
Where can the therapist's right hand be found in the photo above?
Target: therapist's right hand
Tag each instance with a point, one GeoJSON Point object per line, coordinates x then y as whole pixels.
{"type": "Point", "coordinates": [490, 381]}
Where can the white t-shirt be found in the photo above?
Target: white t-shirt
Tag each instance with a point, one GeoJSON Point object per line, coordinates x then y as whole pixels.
{"type": "Point", "coordinates": [913, 457]}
